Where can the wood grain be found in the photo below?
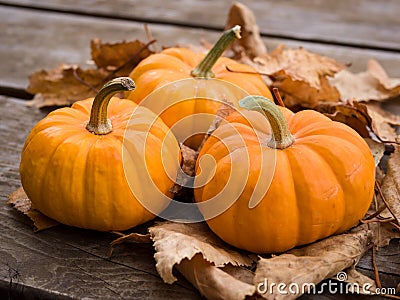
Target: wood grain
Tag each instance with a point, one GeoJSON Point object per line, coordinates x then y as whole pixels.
{"type": "Point", "coordinates": [64, 262]}
{"type": "Point", "coordinates": [361, 23]}
{"type": "Point", "coordinates": [32, 40]}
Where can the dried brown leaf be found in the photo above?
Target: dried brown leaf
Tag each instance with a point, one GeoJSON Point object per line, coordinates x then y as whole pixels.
{"type": "Point", "coordinates": [64, 85]}
{"type": "Point", "coordinates": [311, 264]}
{"type": "Point", "coordinates": [20, 201]}
{"type": "Point", "coordinates": [377, 150]}
{"type": "Point", "coordinates": [356, 279]}
{"type": "Point", "coordinates": [391, 184]}
{"type": "Point", "coordinates": [301, 76]}
{"type": "Point", "coordinates": [352, 113]}
{"type": "Point", "coordinates": [119, 58]}
{"type": "Point", "coordinates": [360, 117]}
{"type": "Point", "coordinates": [373, 84]}
{"type": "Point", "coordinates": [251, 42]}
{"type": "Point", "coordinates": [175, 242]}
{"type": "Point", "coordinates": [212, 282]}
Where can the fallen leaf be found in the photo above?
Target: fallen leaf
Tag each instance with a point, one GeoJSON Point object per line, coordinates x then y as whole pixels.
{"type": "Point", "coordinates": [130, 237]}
{"type": "Point", "coordinates": [119, 58]}
{"type": "Point", "coordinates": [358, 281]}
{"type": "Point", "coordinates": [307, 266]}
{"type": "Point", "coordinates": [301, 76]}
{"type": "Point", "coordinates": [373, 84]}
{"type": "Point", "coordinates": [212, 282]}
{"type": "Point", "coordinates": [20, 201]}
{"type": "Point", "coordinates": [251, 42]}
{"type": "Point", "coordinates": [361, 117]}
{"type": "Point", "coordinates": [377, 150]}
{"type": "Point", "coordinates": [352, 113]}
{"type": "Point", "coordinates": [175, 242]}
{"type": "Point", "coordinates": [391, 184]}
{"type": "Point", "coordinates": [64, 85]}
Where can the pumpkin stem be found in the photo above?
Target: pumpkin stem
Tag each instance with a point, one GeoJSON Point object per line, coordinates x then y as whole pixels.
{"type": "Point", "coordinates": [205, 66]}
{"type": "Point", "coordinates": [98, 123]}
{"type": "Point", "coordinates": [282, 138]}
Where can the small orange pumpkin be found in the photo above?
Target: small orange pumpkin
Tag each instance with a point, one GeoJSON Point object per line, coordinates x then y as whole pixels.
{"type": "Point", "coordinates": [311, 179]}
{"type": "Point", "coordinates": [74, 161]}
{"type": "Point", "coordinates": [174, 64]}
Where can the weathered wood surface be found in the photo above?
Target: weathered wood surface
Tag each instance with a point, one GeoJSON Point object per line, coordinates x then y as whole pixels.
{"type": "Point", "coordinates": [359, 23]}
{"type": "Point", "coordinates": [33, 39]}
{"type": "Point", "coordinates": [63, 262]}
{"type": "Point", "coordinates": [68, 263]}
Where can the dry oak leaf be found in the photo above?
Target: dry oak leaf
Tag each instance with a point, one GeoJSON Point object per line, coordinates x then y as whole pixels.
{"type": "Point", "coordinates": [175, 242]}
{"type": "Point", "coordinates": [20, 201]}
{"type": "Point", "coordinates": [373, 84]}
{"type": "Point", "coordinates": [64, 85]}
{"type": "Point", "coordinates": [301, 76]}
{"type": "Point", "coordinates": [391, 184]}
{"type": "Point", "coordinates": [307, 266]}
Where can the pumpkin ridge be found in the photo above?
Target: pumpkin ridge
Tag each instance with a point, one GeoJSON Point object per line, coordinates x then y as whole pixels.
{"type": "Point", "coordinates": [51, 205]}
{"type": "Point", "coordinates": [296, 161]}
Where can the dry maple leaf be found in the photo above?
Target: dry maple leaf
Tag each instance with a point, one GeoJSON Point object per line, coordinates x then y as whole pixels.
{"type": "Point", "coordinates": [175, 242]}
{"type": "Point", "coordinates": [20, 201]}
{"type": "Point", "coordinates": [310, 265]}
{"type": "Point", "coordinates": [373, 84]}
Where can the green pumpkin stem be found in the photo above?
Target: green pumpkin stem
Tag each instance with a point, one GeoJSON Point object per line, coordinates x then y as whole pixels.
{"type": "Point", "coordinates": [205, 66]}
{"type": "Point", "coordinates": [282, 138]}
{"type": "Point", "coordinates": [99, 123]}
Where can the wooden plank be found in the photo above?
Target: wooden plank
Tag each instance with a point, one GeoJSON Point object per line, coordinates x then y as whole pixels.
{"type": "Point", "coordinates": [32, 40]}
{"type": "Point", "coordinates": [367, 23]}
{"type": "Point", "coordinates": [71, 263]}
{"type": "Point", "coordinates": [64, 262]}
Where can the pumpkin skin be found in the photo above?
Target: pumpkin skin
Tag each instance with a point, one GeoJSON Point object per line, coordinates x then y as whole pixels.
{"type": "Point", "coordinates": [322, 184]}
{"type": "Point", "coordinates": [176, 64]}
{"type": "Point", "coordinates": [77, 177]}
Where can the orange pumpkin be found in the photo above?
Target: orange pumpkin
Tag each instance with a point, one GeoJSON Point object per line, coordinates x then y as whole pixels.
{"type": "Point", "coordinates": [75, 161]}
{"type": "Point", "coordinates": [174, 64]}
{"type": "Point", "coordinates": [311, 179]}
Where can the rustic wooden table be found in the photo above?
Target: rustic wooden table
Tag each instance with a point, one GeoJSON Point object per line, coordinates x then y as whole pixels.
{"type": "Point", "coordinates": [68, 263]}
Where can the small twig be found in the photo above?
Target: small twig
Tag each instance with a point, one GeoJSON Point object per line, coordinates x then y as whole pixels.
{"type": "Point", "coordinates": [390, 296]}
{"type": "Point", "coordinates": [150, 37]}
{"type": "Point", "coordinates": [378, 187]}
{"type": "Point", "coordinates": [387, 220]}
{"type": "Point", "coordinates": [395, 225]}
{"type": "Point", "coordinates": [245, 72]}
{"type": "Point", "coordinates": [376, 271]}
{"type": "Point", "coordinates": [77, 77]}
{"type": "Point", "coordinates": [375, 214]}
{"type": "Point", "coordinates": [278, 97]}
